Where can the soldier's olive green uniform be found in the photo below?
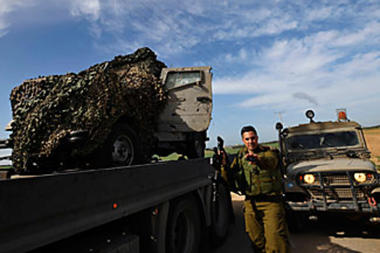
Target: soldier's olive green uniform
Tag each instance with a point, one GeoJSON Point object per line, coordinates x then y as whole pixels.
{"type": "Point", "coordinates": [263, 208]}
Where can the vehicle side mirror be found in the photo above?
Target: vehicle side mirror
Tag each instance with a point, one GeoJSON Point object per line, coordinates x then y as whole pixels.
{"type": "Point", "coordinates": [279, 126]}
{"type": "Point", "coordinates": [310, 115]}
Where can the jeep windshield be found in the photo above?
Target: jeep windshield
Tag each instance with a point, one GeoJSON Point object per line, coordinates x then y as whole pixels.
{"type": "Point", "coordinates": [322, 140]}
{"type": "Point", "coordinates": [325, 144]}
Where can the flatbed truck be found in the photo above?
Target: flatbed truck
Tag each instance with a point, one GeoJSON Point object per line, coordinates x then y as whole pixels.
{"type": "Point", "coordinates": [161, 207]}
{"type": "Point", "coordinates": [158, 207]}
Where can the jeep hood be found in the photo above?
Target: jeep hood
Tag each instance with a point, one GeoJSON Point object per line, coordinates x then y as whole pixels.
{"type": "Point", "coordinates": [336, 164]}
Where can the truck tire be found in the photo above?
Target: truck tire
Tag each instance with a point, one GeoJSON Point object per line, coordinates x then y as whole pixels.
{"type": "Point", "coordinates": [221, 215]}
{"type": "Point", "coordinates": [184, 227]}
{"type": "Point", "coordinates": [196, 146]}
{"type": "Point", "coordinates": [122, 147]}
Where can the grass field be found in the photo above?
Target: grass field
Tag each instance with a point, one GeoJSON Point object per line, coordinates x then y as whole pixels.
{"type": "Point", "coordinates": [372, 136]}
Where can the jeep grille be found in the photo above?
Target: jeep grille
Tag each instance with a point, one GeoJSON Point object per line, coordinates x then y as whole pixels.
{"type": "Point", "coordinates": [335, 180]}
{"type": "Point", "coordinates": [336, 194]}
{"type": "Point", "coordinates": [338, 180]}
{"type": "Point", "coordinates": [337, 186]}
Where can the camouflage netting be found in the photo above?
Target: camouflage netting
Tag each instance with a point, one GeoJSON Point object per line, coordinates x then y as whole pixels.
{"type": "Point", "coordinates": [46, 109]}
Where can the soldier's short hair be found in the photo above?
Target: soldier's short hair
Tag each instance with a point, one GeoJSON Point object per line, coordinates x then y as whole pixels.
{"type": "Point", "coordinates": [248, 129]}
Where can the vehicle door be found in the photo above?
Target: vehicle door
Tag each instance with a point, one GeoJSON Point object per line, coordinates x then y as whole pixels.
{"type": "Point", "coordinates": [189, 99]}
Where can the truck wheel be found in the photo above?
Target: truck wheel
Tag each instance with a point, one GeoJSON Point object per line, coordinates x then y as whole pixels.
{"type": "Point", "coordinates": [122, 147]}
{"type": "Point", "coordinates": [184, 227]}
{"type": "Point", "coordinates": [221, 214]}
{"type": "Point", "coordinates": [196, 146]}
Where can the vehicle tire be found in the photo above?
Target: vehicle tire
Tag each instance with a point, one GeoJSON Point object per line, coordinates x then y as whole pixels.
{"type": "Point", "coordinates": [122, 147]}
{"type": "Point", "coordinates": [196, 146]}
{"type": "Point", "coordinates": [221, 215]}
{"type": "Point", "coordinates": [184, 227]}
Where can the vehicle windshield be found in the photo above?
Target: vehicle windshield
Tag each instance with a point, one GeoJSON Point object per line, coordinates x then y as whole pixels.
{"type": "Point", "coordinates": [322, 140]}
{"type": "Point", "coordinates": [178, 79]}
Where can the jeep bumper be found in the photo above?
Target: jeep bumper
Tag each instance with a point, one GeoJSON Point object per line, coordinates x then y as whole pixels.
{"type": "Point", "coordinates": [337, 192]}
{"type": "Point", "coordinates": [342, 206]}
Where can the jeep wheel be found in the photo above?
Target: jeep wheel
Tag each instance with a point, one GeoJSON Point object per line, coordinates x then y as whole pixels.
{"type": "Point", "coordinates": [122, 147]}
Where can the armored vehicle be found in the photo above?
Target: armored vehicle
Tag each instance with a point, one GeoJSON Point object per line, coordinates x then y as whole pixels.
{"type": "Point", "coordinates": [181, 126]}
{"type": "Point", "coordinates": [121, 121]}
{"type": "Point", "coordinates": [186, 117]}
{"type": "Point", "coordinates": [326, 168]}
{"type": "Point", "coordinates": [171, 206]}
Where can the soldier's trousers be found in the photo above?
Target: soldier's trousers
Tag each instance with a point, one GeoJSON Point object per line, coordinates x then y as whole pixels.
{"type": "Point", "coordinates": [266, 226]}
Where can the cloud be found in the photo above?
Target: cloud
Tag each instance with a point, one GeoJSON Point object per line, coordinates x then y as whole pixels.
{"type": "Point", "coordinates": [275, 54]}
{"type": "Point", "coordinates": [2, 33]}
{"type": "Point", "coordinates": [6, 8]}
{"type": "Point", "coordinates": [3, 27]}
{"type": "Point", "coordinates": [303, 95]}
{"type": "Point", "coordinates": [360, 35]}
{"type": "Point", "coordinates": [88, 8]}
{"type": "Point", "coordinates": [173, 28]}
{"type": "Point", "coordinates": [265, 100]}
{"type": "Point", "coordinates": [320, 64]}
{"type": "Point", "coordinates": [241, 56]}
{"type": "Point", "coordinates": [319, 14]}
{"type": "Point", "coordinates": [276, 26]}
{"type": "Point", "coordinates": [40, 12]}
{"type": "Point", "coordinates": [5, 152]}
{"type": "Point", "coordinates": [244, 29]}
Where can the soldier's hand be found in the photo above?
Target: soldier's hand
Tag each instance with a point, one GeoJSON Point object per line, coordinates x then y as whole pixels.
{"type": "Point", "coordinates": [252, 158]}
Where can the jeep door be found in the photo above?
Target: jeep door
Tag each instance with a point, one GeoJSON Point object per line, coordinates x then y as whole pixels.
{"type": "Point", "coordinates": [189, 99]}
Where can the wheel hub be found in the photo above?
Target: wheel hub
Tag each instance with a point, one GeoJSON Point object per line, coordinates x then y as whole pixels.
{"type": "Point", "coordinates": [123, 150]}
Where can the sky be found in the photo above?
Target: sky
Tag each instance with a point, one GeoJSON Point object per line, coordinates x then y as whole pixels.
{"type": "Point", "coordinates": [271, 60]}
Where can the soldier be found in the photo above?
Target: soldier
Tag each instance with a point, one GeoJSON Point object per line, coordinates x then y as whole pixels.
{"type": "Point", "coordinates": [255, 173]}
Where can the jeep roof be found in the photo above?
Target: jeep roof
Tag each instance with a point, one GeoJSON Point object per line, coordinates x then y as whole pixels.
{"type": "Point", "coordinates": [317, 126]}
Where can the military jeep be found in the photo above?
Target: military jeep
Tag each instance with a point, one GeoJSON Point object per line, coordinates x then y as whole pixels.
{"type": "Point", "coordinates": [181, 126]}
{"type": "Point", "coordinates": [326, 168]}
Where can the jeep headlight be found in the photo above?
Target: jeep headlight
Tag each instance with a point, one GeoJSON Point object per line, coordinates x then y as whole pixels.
{"type": "Point", "coordinates": [309, 178]}
{"type": "Point", "coordinates": [360, 177]}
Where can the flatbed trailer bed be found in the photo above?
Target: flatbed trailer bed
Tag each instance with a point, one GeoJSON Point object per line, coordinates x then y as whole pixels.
{"type": "Point", "coordinates": [39, 210]}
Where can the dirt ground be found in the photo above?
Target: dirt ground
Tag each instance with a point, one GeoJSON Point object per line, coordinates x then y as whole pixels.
{"type": "Point", "coordinates": [372, 137]}
{"type": "Point", "coordinates": [329, 235]}
{"type": "Point", "coordinates": [324, 236]}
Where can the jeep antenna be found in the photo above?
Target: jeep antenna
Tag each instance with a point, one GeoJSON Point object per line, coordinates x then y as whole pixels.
{"type": "Point", "coordinates": [280, 113]}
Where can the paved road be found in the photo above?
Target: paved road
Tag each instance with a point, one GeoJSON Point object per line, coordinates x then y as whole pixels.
{"type": "Point", "coordinates": [325, 236]}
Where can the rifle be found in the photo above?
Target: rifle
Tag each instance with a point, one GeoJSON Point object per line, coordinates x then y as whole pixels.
{"type": "Point", "coordinates": [217, 160]}
{"type": "Point", "coordinates": [218, 157]}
